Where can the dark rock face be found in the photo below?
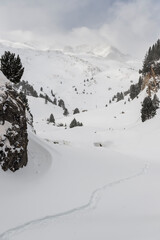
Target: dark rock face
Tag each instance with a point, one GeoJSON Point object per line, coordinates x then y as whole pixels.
{"type": "Point", "coordinates": [13, 129]}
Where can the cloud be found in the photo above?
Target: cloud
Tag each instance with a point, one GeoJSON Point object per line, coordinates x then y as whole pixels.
{"type": "Point", "coordinates": [130, 25]}
{"type": "Point", "coordinates": [38, 15]}
{"type": "Point", "coordinates": [134, 25]}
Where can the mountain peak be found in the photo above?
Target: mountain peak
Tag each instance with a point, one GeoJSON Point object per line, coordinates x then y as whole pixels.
{"type": "Point", "coordinates": [103, 50]}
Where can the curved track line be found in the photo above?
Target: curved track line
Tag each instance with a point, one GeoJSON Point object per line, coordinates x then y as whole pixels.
{"type": "Point", "coordinates": [92, 203]}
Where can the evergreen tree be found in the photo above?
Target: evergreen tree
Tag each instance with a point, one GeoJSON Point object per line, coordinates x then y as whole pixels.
{"type": "Point", "coordinates": [148, 109]}
{"type": "Point", "coordinates": [135, 89]}
{"type": "Point", "coordinates": [26, 88]}
{"type": "Point", "coordinates": [53, 95]}
{"type": "Point", "coordinates": [140, 83]}
{"type": "Point", "coordinates": [75, 123]}
{"type": "Point", "coordinates": [151, 58]}
{"type": "Point", "coordinates": [119, 96]}
{"type": "Point", "coordinates": [46, 99]}
{"type": "Point", "coordinates": [51, 119]}
{"type": "Point", "coordinates": [55, 101]}
{"type": "Point", "coordinates": [11, 67]}
{"type": "Point", "coordinates": [76, 110]}
{"type": "Point", "coordinates": [61, 104]}
{"type": "Point", "coordinates": [65, 112]}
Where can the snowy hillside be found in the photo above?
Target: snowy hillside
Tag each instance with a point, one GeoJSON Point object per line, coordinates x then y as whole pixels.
{"type": "Point", "coordinates": [99, 181]}
{"type": "Point", "coordinates": [83, 189]}
{"type": "Point", "coordinates": [84, 77]}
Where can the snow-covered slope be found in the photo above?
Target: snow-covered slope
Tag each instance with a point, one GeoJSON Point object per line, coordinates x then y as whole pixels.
{"type": "Point", "coordinates": [99, 181]}
{"type": "Point", "coordinates": [86, 77]}
{"type": "Point", "coordinates": [103, 50]}
{"type": "Point", "coordinates": [81, 190]}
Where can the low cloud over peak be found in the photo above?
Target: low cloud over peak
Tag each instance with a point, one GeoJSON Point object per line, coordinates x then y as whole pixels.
{"type": "Point", "coordinates": [130, 25]}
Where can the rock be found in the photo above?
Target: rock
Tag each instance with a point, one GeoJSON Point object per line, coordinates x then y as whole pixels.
{"type": "Point", "coordinates": [13, 128]}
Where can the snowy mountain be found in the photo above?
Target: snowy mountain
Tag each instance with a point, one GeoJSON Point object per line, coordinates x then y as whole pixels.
{"type": "Point", "coordinates": [104, 51]}
{"type": "Point", "coordinates": [85, 79]}
{"type": "Point", "coordinates": [99, 181]}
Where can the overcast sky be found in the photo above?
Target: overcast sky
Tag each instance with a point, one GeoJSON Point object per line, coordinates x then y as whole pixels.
{"type": "Point", "coordinates": [130, 25]}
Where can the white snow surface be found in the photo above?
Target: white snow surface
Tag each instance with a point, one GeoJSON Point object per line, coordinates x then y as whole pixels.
{"type": "Point", "coordinates": [3, 80]}
{"type": "Point", "coordinates": [85, 77]}
{"type": "Point", "coordinates": [99, 181]}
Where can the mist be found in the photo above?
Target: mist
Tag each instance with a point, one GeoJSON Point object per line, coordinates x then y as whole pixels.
{"type": "Point", "coordinates": [131, 26]}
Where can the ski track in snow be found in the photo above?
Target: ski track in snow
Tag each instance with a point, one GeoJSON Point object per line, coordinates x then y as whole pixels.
{"type": "Point", "coordinates": [92, 203]}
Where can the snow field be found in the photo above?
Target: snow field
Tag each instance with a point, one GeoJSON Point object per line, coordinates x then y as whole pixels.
{"type": "Point", "coordinates": [99, 181]}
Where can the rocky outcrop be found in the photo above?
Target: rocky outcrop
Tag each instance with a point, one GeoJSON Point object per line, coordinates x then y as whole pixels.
{"type": "Point", "coordinates": [13, 127]}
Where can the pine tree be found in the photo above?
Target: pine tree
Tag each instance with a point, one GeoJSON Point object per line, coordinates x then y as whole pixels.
{"type": "Point", "coordinates": [51, 119]}
{"type": "Point", "coordinates": [55, 101]}
{"type": "Point", "coordinates": [148, 109]}
{"type": "Point", "coordinates": [119, 96]}
{"type": "Point", "coordinates": [61, 104]}
{"type": "Point", "coordinates": [46, 99]}
{"type": "Point", "coordinates": [75, 123]}
{"type": "Point", "coordinates": [53, 95]}
{"type": "Point", "coordinates": [11, 67]}
{"type": "Point", "coordinates": [135, 89]}
{"type": "Point", "coordinates": [65, 112]}
{"type": "Point", "coordinates": [76, 110]}
{"type": "Point", "coordinates": [150, 59]}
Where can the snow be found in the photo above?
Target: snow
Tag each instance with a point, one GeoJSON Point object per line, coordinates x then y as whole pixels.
{"type": "Point", "coordinates": [4, 127]}
{"type": "Point", "coordinates": [63, 72]}
{"type": "Point", "coordinates": [3, 80]}
{"type": "Point", "coordinates": [99, 181]}
{"type": "Point", "coordinates": [82, 191]}
{"type": "Point", "coordinates": [93, 170]}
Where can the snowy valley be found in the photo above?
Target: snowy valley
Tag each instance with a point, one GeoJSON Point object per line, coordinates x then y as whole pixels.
{"type": "Point", "coordinates": [97, 181]}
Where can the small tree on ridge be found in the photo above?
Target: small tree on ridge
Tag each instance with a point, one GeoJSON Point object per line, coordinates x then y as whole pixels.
{"type": "Point", "coordinates": [11, 67]}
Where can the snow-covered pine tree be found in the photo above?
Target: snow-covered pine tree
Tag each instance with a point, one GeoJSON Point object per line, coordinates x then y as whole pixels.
{"type": "Point", "coordinates": [11, 66]}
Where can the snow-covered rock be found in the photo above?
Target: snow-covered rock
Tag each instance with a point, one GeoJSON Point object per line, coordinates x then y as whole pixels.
{"type": "Point", "coordinates": [13, 127]}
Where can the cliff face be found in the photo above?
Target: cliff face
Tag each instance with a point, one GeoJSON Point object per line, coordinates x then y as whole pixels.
{"type": "Point", "coordinates": [13, 127]}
